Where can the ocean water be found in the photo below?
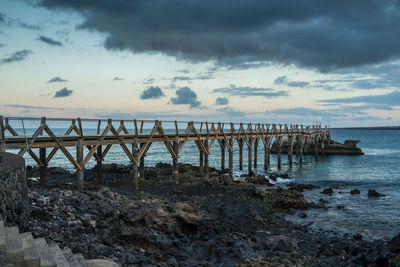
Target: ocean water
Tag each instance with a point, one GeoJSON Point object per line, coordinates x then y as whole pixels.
{"type": "Point", "coordinates": [378, 169]}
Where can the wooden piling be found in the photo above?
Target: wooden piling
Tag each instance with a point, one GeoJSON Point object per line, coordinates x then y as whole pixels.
{"type": "Point", "coordinates": [297, 147]}
{"type": "Point", "coordinates": [43, 167]}
{"type": "Point", "coordinates": [240, 154]}
{"type": "Point", "coordinates": [222, 155]}
{"type": "Point", "coordinates": [322, 144]}
{"type": "Point", "coordinates": [231, 158]}
{"type": "Point", "coordinates": [280, 139]}
{"type": "Point", "coordinates": [175, 162]}
{"type": "Point", "coordinates": [141, 166]}
{"type": "Point", "coordinates": [99, 165]}
{"type": "Point", "coordinates": [2, 135]}
{"type": "Point", "coordinates": [290, 150]}
{"type": "Point", "coordinates": [206, 169]}
{"type": "Point", "coordinates": [266, 157]}
{"type": "Point", "coordinates": [250, 156]}
{"type": "Point", "coordinates": [201, 159]}
{"type": "Point", "coordinates": [316, 146]}
{"type": "Point", "coordinates": [135, 180]}
{"type": "Point", "coordinates": [80, 171]}
{"type": "Point", "coordinates": [255, 152]}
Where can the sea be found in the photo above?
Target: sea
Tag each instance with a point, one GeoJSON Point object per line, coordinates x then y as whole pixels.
{"type": "Point", "coordinates": [378, 169]}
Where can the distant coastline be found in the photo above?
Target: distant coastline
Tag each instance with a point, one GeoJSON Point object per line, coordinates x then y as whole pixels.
{"type": "Point", "coordinates": [368, 128]}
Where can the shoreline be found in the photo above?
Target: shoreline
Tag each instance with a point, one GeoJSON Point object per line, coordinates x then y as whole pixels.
{"type": "Point", "coordinates": [200, 222]}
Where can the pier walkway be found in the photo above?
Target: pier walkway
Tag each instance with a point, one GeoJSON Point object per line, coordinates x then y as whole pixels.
{"type": "Point", "coordinates": [96, 136]}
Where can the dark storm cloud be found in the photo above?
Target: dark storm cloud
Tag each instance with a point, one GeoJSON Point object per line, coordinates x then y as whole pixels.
{"type": "Point", "coordinates": [250, 91]}
{"type": "Point", "coordinates": [7, 21]}
{"type": "Point", "coordinates": [118, 79]}
{"type": "Point", "coordinates": [199, 76]}
{"type": "Point", "coordinates": [185, 95]}
{"type": "Point", "coordinates": [17, 56]}
{"type": "Point", "coordinates": [63, 93]}
{"type": "Point", "coordinates": [322, 34]}
{"type": "Point", "coordinates": [221, 101]}
{"type": "Point", "coordinates": [29, 26]}
{"type": "Point", "coordinates": [283, 80]}
{"type": "Point", "coordinates": [152, 92]}
{"type": "Point", "coordinates": [49, 41]}
{"type": "Point", "coordinates": [2, 18]}
{"type": "Point", "coordinates": [56, 80]}
{"type": "Point", "coordinates": [385, 100]}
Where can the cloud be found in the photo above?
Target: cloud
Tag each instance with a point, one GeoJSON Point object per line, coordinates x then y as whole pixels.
{"type": "Point", "coordinates": [185, 95]}
{"type": "Point", "coordinates": [63, 93]}
{"type": "Point", "coordinates": [231, 112]}
{"type": "Point", "coordinates": [29, 26]}
{"type": "Point", "coordinates": [49, 41]}
{"type": "Point", "coordinates": [200, 76]}
{"type": "Point", "coordinates": [152, 92]}
{"type": "Point", "coordinates": [283, 80]}
{"type": "Point", "coordinates": [56, 80]}
{"type": "Point", "coordinates": [390, 99]}
{"type": "Point", "coordinates": [232, 90]}
{"type": "Point", "coordinates": [32, 107]}
{"type": "Point", "coordinates": [286, 32]}
{"type": "Point", "coordinates": [2, 18]}
{"type": "Point", "coordinates": [118, 79]}
{"type": "Point", "coordinates": [221, 101]}
{"type": "Point", "coordinates": [17, 56]}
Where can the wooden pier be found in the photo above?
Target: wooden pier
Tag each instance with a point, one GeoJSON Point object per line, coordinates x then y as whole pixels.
{"type": "Point", "coordinates": [135, 140]}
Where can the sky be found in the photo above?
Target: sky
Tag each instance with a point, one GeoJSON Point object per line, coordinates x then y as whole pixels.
{"type": "Point", "coordinates": [303, 62]}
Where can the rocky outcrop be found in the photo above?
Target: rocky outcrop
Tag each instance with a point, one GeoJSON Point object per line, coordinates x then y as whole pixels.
{"type": "Point", "coordinates": [14, 200]}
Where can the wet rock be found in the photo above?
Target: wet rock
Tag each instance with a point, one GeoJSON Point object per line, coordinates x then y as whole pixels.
{"type": "Point", "coordinates": [374, 193]}
{"type": "Point", "coordinates": [357, 237]}
{"type": "Point", "coordinates": [259, 179]}
{"type": "Point", "coordinates": [340, 207]}
{"type": "Point", "coordinates": [355, 192]}
{"type": "Point", "coordinates": [302, 215]}
{"type": "Point", "coordinates": [273, 177]}
{"type": "Point", "coordinates": [327, 191]}
{"type": "Point", "coordinates": [301, 187]}
{"type": "Point", "coordinates": [323, 201]}
{"type": "Point", "coordinates": [284, 176]}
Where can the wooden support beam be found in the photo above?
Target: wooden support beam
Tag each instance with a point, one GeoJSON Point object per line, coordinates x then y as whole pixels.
{"type": "Point", "coordinates": [141, 165]}
{"type": "Point", "coordinates": [250, 156]}
{"type": "Point", "coordinates": [175, 162]}
{"type": "Point", "coordinates": [323, 144]}
{"type": "Point", "coordinates": [231, 158]}
{"type": "Point", "coordinates": [280, 142]}
{"type": "Point", "coordinates": [206, 169]}
{"type": "Point", "coordinates": [240, 141]}
{"type": "Point", "coordinates": [297, 147]}
{"type": "Point", "coordinates": [79, 160]}
{"type": "Point", "coordinates": [201, 166]}
{"type": "Point", "coordinates": [290, 149]}
{"type": "Point", "coordinates": [134, 179]}
{"type": "Point", "coordinates": [255, 152]}
{"type": "Point", "coordinates": [2, 135]}
{"type": "Point", "coordinates": [43, 167]}
{"type": "Point", "coordinates": [315, 146]}
{"type": "Point", "coordinates": [222, 155]}
{"type": "Point", "coordinates": [99, 165]}
{"type": "Point", "coordinates": [266, 156]}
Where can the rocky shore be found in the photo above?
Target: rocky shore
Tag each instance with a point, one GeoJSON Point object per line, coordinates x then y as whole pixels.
{"type": "Point", "coordinates": [200, 222]}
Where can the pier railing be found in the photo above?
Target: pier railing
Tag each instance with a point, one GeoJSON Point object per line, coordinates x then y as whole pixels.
{"type": "Point", "coordinates": [98, 135]}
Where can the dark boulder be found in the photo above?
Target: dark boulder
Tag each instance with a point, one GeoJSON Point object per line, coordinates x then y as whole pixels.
{"type": "Point", "coordinates": [355, 192]}
{"type": "Point", "coordinates": [327, 191]}
{"type": "Point", "coordinates": [374, 193]}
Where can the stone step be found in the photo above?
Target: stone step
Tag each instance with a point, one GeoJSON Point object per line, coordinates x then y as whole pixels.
{"type": "Point", "coordinates": [78, 260]}
{"type": "Point", "coordinates": [46, 258]}
{"type": "Point", "coordinates": [14, 248]}
{"type": "Point", "coordinates": [2, 237]}
{"type": "Point", "coordinates": [58, 256]}
{"type": "Point", "coordinates": [31, 251]}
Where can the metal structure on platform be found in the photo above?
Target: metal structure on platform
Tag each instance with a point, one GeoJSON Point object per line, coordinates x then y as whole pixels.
{"type": "Point", "coordinates": [133, 133]}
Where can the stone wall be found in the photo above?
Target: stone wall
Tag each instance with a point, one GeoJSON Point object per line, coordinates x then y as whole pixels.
{"type": "Point", "coordinates": [14, 199]}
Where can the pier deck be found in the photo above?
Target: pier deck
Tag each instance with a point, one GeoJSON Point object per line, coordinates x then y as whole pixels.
{"type": "Point", "coordinates": [136, 135]}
